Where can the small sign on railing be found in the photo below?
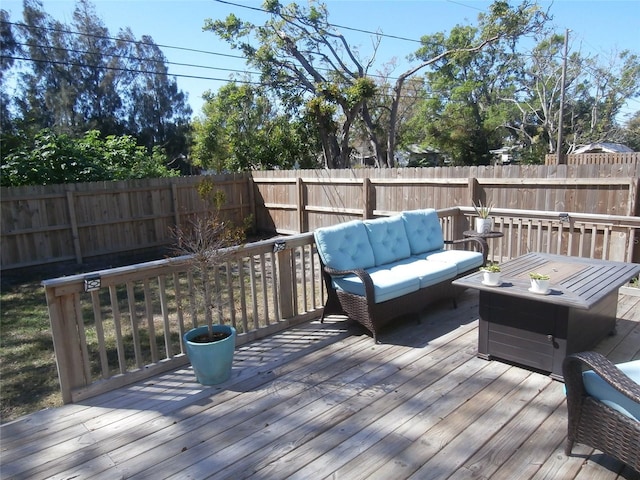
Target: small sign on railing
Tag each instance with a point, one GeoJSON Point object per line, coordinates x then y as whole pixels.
{"type": "Point", "coordinates": [91, 283]}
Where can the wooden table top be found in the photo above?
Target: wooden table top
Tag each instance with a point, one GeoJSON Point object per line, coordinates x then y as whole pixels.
{"type": "Point", "coordinates": [575, 281]}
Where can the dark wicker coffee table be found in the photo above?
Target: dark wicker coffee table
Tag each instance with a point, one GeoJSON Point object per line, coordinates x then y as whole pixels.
{"type": "Point", "coordinates": [538, 331]}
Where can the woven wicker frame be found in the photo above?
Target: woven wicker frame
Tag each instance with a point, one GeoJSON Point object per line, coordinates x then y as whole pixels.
{"type": "Point", "coordinates": [373, 316]}
{"type": "Point", "coordinates": [593, 423]}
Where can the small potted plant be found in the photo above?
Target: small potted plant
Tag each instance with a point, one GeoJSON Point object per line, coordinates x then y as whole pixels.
{"type": "Point", "coordinates": [539, 282]}
{"type": "Point", "coordinates": [491, 274]}
{"type": "Point", "coordinates": [204, 241]}
{"type": "Point", "coordinates": [484, 223]}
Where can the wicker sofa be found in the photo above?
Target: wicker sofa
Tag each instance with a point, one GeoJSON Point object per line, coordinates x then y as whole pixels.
{"type": "Point", "coordinates": [603, 406]}
{"type": "Point", "coordinates": [378, 270]}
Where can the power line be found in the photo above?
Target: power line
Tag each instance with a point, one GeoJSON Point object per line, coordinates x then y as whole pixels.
{"type": "Point", "coordinates": [335, 25]}
{"type": "Point", "coordinates": [126, 70]}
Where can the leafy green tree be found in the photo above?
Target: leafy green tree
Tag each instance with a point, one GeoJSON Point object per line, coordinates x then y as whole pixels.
{"type": "Point", "coordinates": [307, 62]}
{"type": "Point", "coordinates": [468, 71]}
{"type": "Point", "coordinates": [595, 93]}
{"type": "Point", "coordinates": [630, 135]}
{"type": "Point", "coordinates": [59, 158]}
{"type": "Point", "coordinates": [77, 77]}
{"type": "Point", "coordinates": [8, 48]}
{"type": "Point", "coordinates": [240, 130]}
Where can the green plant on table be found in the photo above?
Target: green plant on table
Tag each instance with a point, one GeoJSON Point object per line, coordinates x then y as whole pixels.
{"type": "Point", "coordinates": [490, 267]}
{"type": "Point", "coordinates": [483, 211]}
{"type": "Point", "coordinates": [538, 276]}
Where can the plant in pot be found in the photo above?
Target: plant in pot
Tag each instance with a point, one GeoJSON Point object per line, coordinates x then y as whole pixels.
{"type": "Point", "coordinates": [491, 274]}
{"type": "Point", "coordinates": [204, 241]}
{"type": "Point", "coordinates": [539, 282]}
{"type": "Point", "coordinates": [484, 223]}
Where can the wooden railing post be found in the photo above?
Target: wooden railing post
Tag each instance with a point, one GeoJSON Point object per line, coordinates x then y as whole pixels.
{"type": "Point", "coordinates": [285, 260]}
{"type": "Point", "coordinates": [63, 312]}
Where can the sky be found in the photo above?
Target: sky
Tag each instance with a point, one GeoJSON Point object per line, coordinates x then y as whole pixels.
{"type": "Point", "coordinates": [601, 27]}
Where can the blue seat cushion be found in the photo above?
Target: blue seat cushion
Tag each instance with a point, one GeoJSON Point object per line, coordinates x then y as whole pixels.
{"type": "Point", "coordinates": [345, 246]}
{"type": "Point", "coordinates": [389, 282]}
{"type": "Point", "coordinates": [428, 272]}
{"type": "Point", "coordinates": [423, 230]}
{"type": "Point", "coordinates": [598, 388]}
{"type": "Point", "coordinates": [388, 239]}
{"type": "Point", "coordinates": [464, 260]}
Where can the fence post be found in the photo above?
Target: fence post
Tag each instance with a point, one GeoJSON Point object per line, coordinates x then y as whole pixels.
{"type": "Point", "coordinates": [300, 203]}
{"type": "Point", "coordinates": [174, 198]}
{"type": "Point", "coordinates": [366, 194]}
{"type": "Point", "coordinates": [75, 234]}
{"type": "Point", "coordinates": [474, 189]}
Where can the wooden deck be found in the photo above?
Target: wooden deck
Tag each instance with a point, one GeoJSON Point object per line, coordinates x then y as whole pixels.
{"type": "Point", "coordinates": [323, 401]}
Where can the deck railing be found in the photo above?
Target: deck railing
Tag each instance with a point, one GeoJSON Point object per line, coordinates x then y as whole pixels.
{"type": "Point", "coordinates": [117, 326]}
{"type": "Point", "coordinates": [608, 237]}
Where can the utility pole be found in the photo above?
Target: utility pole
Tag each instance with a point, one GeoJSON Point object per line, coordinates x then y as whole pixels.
{"type": "Point", "coordinates": [561, 159]}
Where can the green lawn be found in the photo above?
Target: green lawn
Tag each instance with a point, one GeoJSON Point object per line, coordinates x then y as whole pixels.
{"type": "Point", "coordinates": [28, 375]}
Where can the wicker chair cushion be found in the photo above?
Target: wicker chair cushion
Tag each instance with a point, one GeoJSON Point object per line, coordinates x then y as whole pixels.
{"type": "Point", "coordinates": [345, 246]}
{"type": "Point", "coordinates": [423, 230]}
{"type": "Point", "coordinates": [600, 389]}
{"type": "Point", "coordinates": [464, 260]}
{"type": "Point", "coordinates": [388, 239]}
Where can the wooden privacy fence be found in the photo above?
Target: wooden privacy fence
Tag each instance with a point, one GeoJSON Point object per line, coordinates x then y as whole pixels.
{"type": "Point", "coordinates": [291, 202]}
{"type": "Point", "coordinates": [595, 158]}
{"type": "Point", "coordinates": [129, 324]}
{"type": "Point", "coordinates": [76, 222]}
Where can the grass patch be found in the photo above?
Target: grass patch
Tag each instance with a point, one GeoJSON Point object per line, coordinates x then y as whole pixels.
{"type": "Point", "coordinates": [28, 374]}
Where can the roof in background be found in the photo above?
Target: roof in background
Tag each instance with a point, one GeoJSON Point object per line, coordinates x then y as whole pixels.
{"type": "Point", "coordinates": [604, 147]}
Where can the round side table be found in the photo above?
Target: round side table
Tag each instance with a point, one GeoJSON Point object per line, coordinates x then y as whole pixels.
{"type": "Point", "coordinates": [482, 236]}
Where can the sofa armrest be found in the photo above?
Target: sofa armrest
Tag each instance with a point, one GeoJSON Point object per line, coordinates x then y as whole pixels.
{"type": "Point", "coordinates": [481, 243]}
{"type": "Point", "coordinates": [573, 367]}
{"type": "Point", "coordinates": [361, 274]}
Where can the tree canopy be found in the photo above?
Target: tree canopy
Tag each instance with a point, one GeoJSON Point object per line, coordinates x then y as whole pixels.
{"type": "Point", "coordinates": [69, 79]}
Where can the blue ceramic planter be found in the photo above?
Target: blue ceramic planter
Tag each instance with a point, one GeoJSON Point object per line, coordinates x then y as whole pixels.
{"type": "Point", "coordinates": [212, 361]}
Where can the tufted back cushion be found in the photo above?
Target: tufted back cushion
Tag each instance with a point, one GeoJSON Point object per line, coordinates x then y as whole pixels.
{"type": "Point", "coordinates": [423, 230]}
{"type": "Point", "coordinates": [344, 246]}
{"type": "Point", "coordinates": [388, 239]}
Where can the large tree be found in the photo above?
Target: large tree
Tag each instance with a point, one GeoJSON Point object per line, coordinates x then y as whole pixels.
{"type": "Point", "coordinates": [595, 94]}
{"type": "Point", "coordinates": [308, 62]}
{"type": "Point", "coordinates": [466, 71]}
{"type": "Point", "coordinates": [302, 56]}
{"type": "Point", "coordinates": [240, 129]}
{"type": "Point", "coordinates": [77, 77]}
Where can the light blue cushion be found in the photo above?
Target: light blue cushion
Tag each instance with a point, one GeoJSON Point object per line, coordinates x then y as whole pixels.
{"type": "Point", "coordinates": [388, 239]}
{"type": "Point", "coordinates": [464, 260]}
{"type": "Point", "coordinates": [428, 272]}
{"type": "Point", "coordinates": [598, 388]}
{"type": "Point", "coordinates": [423, 230]}
{"type": "Point", "coordinates": [344, 246]}
{"type": "Point", "coordinates": [388, 281]}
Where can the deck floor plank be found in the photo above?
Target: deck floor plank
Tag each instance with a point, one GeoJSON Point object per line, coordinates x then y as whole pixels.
{"type": "Point", "coordinates": [324, 401]}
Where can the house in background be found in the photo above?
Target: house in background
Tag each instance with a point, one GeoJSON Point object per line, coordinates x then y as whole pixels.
{"type": "Point", "coordinates": [603, 147]}
{"type": "Point", "coordinates": [418, 156]}
{"type": "Point", "coordinates": [505, 155]}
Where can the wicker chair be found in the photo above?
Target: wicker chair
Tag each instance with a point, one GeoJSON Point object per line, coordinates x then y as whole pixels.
{"type": "Point", "coordinates": [593, 423]}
